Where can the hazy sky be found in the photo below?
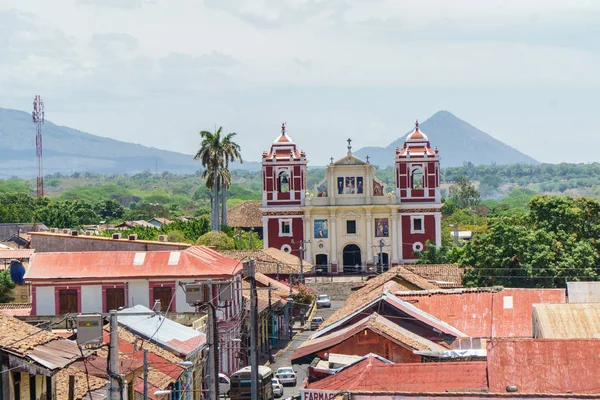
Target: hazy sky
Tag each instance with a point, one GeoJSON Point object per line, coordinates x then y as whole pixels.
{"type": "Point", "coordinates": [158, 71]}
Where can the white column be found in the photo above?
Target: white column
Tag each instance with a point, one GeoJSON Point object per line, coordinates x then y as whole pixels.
{"type": "Point", "coordinates": [396, 237]}
{"type": "Point", "coordinates": [307, 236]}
{"type": "Point", "coordinates": [438, 229]}
{"type": "Point", "coordinates": [333, 238]}
{"type": "Point", "coordinates": [265, 222]}
{"type": "Point", "coordinates": [369, 223]}
{"type": "Point", "coordinates": [331, 185]}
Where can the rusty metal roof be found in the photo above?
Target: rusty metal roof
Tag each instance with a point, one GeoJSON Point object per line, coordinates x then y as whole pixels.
{"type": "Point", "coordinates": [197, 261]}
{"type": "Point", "coordinates": [373, 375]}
{"type": "Point", "coordinates": [56, 354]}
{"type": "Point", "coordinates": [374, 322]}
{"type": "Point", "coordinates": [485, 312]}
{"type": "Point", "coordinates": [567, 321]}
{"type": "Point", "coordinates": [559, 366]}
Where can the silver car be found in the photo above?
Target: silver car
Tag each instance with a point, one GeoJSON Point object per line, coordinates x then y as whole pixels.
{"type": "Point", "coordinates": [277, 387]}
{"type": "Point", "coordinates": [323, 301]}
{"type": "Point", "coordinates": [286, 375]}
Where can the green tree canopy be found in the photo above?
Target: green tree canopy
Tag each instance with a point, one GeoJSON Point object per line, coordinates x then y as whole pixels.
{"type": "Point", "coordinates": [216, 240]}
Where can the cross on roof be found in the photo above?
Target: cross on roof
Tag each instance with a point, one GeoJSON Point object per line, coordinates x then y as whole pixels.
{"type": "Point", "coordinates": [283, 128]}
{"type": "Point", "coordinates": [417, 124]}
{"type": "Point", "coordinates": [367, 158]}
{"type": "Point", "coordinates": [331, 159]}
{"type": "Point", "coordinates": [349, 144]}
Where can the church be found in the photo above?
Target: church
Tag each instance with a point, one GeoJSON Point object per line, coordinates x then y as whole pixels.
{"type": "Point", "coordinates": [351, 221]}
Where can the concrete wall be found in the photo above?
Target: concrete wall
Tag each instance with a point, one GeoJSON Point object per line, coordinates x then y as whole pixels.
{"type": "Point", "coordinates": [44, 242]}
{"type": "Point", "coordinates": [91, 298]}
{"type": "Point", "coordinates": [139, 293]}
{"type": "Point", "coordinates": [180, 303]}
{"type": "Point", "coordinates": [44, 304]}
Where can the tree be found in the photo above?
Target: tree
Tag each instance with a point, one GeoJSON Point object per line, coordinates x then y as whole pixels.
{"type": "Point", "coordinates": [109, 209]}
{"type": "Point", "coordinates": [216, 240]}
{"type": "Point", "coordinates": [463, 193]}
{"type": "Point", "coordinates": [6, 287]}
{"type": "Point", "coordinates": [231, 152]}
{"type": "Point", "coordinates": [176, 237]}
{"type": "Point", "coordinates": [67, 214]}
{"type": "Point", "coordinates": [211, 155]}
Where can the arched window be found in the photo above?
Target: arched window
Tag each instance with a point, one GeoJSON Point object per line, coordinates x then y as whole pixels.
{"type": "Point", "coordinates": [417, 179]}
{"type": "Point", "coordinates": [284, 182]}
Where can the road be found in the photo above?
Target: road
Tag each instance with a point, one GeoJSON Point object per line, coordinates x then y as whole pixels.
{"type": "Point", "coordinates": [302, 369]}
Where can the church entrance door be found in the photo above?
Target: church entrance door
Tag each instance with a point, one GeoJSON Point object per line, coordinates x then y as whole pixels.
{"type": "Point", "coordinates": [352, 259]}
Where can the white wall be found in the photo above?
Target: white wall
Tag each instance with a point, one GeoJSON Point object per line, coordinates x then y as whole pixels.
{"type": "Point", "coordinates": [180, 303]}
{"type": "Point", "coordinates": [139, 293]}
{"type": "Point", "coordinates": [44, 300]}
{"type": "Point", "coordinates": [91, 298]}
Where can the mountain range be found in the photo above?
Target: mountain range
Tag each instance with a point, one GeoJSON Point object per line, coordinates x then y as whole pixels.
{"type": "Point", "coordinates": [458, 142]}
{"type": "Point", "coordinates": [68, 150]}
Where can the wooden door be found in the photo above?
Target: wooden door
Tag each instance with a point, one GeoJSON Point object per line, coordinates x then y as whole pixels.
{"type": "Point", "coordinates": [115, 299]}
{"type": "Point", "coordinates": [67, 301]}
{"type": "Point", "coordinates": [164, 294]}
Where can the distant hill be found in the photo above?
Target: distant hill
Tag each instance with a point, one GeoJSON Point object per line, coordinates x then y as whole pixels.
{"type": "Point", "coordinates": [458, 142]}
{"type": "Point", "coordinates": [68, 150]}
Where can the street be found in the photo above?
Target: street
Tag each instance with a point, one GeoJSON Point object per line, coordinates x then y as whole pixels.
{"type": "Point", "coordinates": [301, 369]}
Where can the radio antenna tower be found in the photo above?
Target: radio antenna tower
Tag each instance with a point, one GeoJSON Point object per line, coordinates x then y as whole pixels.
{"type": "Point", "coordinates": [38, 120]}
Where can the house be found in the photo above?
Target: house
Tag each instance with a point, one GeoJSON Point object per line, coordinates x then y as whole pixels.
{"type": "Point", "coordinates": [158, 222]}
{"type": "Point", "coordinates": [372, 334]}
{"type": "Point", "coordinates": [484, 312]}
{"type": "Point", "coordinates": [246, 216]}
{"type": "Point", "coordinates": [321, 368]}
{"type": "Point", "coordinates": [272, 262]}
{"type": "Point", "coordinates": [91, 282]}
{"type": "Point", "coordinates": [445, 276]}
{"type": "Point", "coordinates": [32, 360]}
{"type": "Point", "coordinates": [566, 321]}
{"type": "Point", "coordinates": [353, 212]}
{"type": "Point", "coordinates": [51, 242]}
{"type": "Point", "coordinates": [15, 229]}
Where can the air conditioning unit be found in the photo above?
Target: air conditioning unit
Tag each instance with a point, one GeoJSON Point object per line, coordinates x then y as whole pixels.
{"type": "Point", "coordinates": [53, 230]}
{"type": "Point", "coordinates": [132, 237]}
{"type": "Point", "coordinates": [66, 231]}
{"type": "Point", "coordinates": [162, 238]}
{"type": "Point", "coordinates": [88, 233]}
{"type": "Point", "coordinates": [116, 236]}
{"type": "Point", "coordinates": [225, 292]}
{"type": "Point", "coordinates": [74, 233]}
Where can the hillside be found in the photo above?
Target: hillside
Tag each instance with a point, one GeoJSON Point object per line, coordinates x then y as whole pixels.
{"type": "Point", "coordinates": [68, 150]}
{"type": "Point", "coordinates": [458, 142]}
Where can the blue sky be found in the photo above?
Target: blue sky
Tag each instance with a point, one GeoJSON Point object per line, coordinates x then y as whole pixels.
{"type": "Point", "coordinates": [158, 71]}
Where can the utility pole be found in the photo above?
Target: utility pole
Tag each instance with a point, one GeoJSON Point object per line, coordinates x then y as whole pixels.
{"type": "Point", "coordinates": [145, 374]}
{"type": "Point", "coordinates": [113, 358]}
{"type": "Point", "coordinates": [213, 382]}
{"type": "Point", "coordinates": [251, 231]}
{"type": "Point", "coordinates": [253, 332]}
{"type": "Point", "coordinates": [380, 256]}
{"type": "Point", "coordinates": [269, 325]}
{"type": "Point", "coordinates": [301, 249]}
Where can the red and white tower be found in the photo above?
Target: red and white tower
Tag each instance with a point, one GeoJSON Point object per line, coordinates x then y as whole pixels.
{"type": "Point", "coordinates": [284, 187]}
{"type": "Point", "coordinates": [418, 194]}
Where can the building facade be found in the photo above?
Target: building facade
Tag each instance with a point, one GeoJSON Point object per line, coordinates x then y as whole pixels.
{"type": "Point", "coordinates": [352, 221]}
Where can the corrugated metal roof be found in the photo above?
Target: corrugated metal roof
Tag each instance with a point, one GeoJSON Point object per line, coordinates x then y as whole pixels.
{"type": "Point", "coordinates": [493, 312]}
{"type": "Point", "coordinates": [558, 366]}
{"type": "Point", "coordinates": [372, 375]}
{"type": "Point", "coordinates": [20, 337]}
{"type": "Point", "coordinates": [566, 321]}
{"type": "Point", "coordinates": [583, 292]}
{"type": "Point", "coordinates": [16, 254]}
{"type": "Point", "coordinates": [374, 322]}
{"type": "Point", "coordinates": [170, 334]}
{"type": "Point", "coordinates": [56, 354]}
{"type": "Point", "coordinates": [197, 261]}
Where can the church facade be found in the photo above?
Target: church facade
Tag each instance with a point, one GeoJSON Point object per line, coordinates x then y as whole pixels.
{"type": "Point", "coordinates": [352, 221]}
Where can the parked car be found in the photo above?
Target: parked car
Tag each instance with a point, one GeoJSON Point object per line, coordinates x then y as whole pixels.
{"type": "Point", "coordinates": [224, 385]}
{"type": "Point", "coordinates": [277, 387]}
{"type": "Point", "coordinates": [286, 375]}
{"type": "Point", "coordinates": [315, 323]}
{"type": "Point", "coordinates": [323, 301]}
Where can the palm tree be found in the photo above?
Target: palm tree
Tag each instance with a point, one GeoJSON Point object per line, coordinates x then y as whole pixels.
{"type": "Point", "coordinates": [215, 153]}
{"type": "Point", "coordinates": [231, 152]}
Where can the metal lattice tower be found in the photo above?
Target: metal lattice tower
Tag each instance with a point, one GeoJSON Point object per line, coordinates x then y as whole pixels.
{"type": "Point", "coordinates": [38, 120]}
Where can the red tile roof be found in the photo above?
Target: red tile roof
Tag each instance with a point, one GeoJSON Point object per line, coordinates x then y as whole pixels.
{"type": "Point", "coordinates": [372, 375]}
{"type": "Point", "coordinates": [15, 309]}
{"type": "Point", "coordinates": [485, 312]}
{"type": "Point", "coordinates": [16, 254]}
{"type": "Point", "coordinates": [557, 366]}
{"type": "Point", "coordinates": [376, 323]}
{"type": "Point", "coordinates": [197, 261]}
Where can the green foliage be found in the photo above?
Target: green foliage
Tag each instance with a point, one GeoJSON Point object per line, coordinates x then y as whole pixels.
{"type": "Point", "coordinates": [67, 214]}
{"type": "Point", "coordinates": [191, 230]}
{"type": "Point", "coordinates": [463, 194]}
{"type": "Point", "coordinates": [442, 255]}
{"type": "Point", "coordinates": [176, 237]}
{"type": "Point", "coordinates": [216, 240]}
{"type": "Point", "coordinates": [6, 286]}
{"type": "Point", "coordinates": [304, 297]}
{"type": "Point", "coordinates": [109, 210]}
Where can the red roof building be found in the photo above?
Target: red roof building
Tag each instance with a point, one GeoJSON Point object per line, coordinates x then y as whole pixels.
{"type": "Point", "coordinates": [373, 375]}
{"type": "Point", "coordinates": [485, 312]}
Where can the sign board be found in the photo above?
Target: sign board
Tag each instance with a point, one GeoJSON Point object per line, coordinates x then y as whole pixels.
{"type": "Point", "coordinates": [308, 394]}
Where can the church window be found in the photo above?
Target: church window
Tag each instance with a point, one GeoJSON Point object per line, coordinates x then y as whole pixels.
{"type": "Point", "coordinates": [416, 225]}
{"type": "Point", "coordinates": [351, 227]}
{"type": "Point", "coordinates": [417, 179]}
{"type": "Point", "coordinates": [284, 182]}
{"type": "Point", "coordinates": [285, 227]}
